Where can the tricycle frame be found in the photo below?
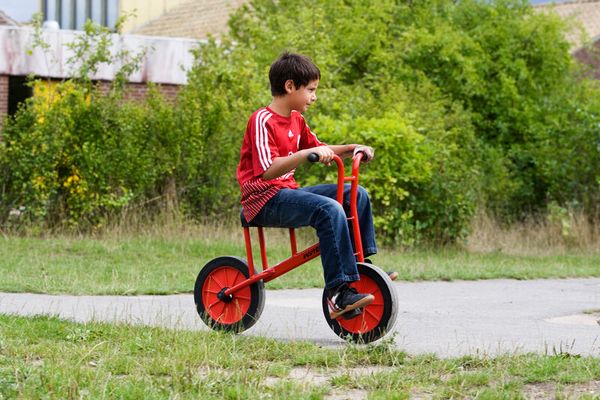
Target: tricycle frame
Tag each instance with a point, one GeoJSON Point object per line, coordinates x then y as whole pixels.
{"type": "Point", "coordinates": [299, 258]}
{"type": "Point", "coordinates": [229, 291]}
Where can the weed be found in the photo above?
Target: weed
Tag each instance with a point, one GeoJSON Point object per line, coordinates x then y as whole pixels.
{"type": "Point", "coordinates": [44, 357]}
{"type": "Point", "coordinates": [165, 259]}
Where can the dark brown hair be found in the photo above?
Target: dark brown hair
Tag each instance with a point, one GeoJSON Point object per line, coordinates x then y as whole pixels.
{"type": "Point", "coordinates": [300, 69]}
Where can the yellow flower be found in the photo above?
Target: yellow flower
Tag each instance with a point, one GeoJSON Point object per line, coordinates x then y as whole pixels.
{"type": "Point", "coordinates": [38, 182]}
{"type": "Point", "coordinates": [73, 179]}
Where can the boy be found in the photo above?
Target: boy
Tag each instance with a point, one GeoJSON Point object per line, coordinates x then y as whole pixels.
{"type": "Point", "coordinates": [276, 141]}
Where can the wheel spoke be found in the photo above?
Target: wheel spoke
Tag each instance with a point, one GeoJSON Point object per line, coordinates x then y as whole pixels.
{"type": "Point", "coordinates": [225, 314]}
{"type": "Point", "coordinates": [363, 326]}
{"type": "Point", "coordinates": [221, 309]}
{"type": "Point", "coordinates": [227, 281]}
{"type": "Point", "coordinates": [372, 314]}
{"type": "Point", "coordinates": [233, 313]}
{"type": "Point", "coordinates": [373, 317]}
{"type": "Point", "coordinates": [239, 277]}
{"type": "Point", "coordinates": [238, 309]}
{"type": "Point", "coordinates": [212, 277]}
{"type": "Point", "coordinates": [211, 305]}
{"type": "Point", "coordinates": [353, 323]}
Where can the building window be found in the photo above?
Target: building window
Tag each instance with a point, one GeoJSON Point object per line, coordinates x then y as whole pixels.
{"type": "Point", "coordinates": [72, 14]}
{"type": "Point", "coordinates": [18, 92]}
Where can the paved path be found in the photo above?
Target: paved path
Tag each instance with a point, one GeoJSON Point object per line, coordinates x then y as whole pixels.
{"type": "Point", "coordinates": [446, 318]}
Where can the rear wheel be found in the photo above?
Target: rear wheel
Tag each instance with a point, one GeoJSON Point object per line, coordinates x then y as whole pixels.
{"type": "Point", "coordinates": [236, 312]}
{"type": "Point", "coordinates": [378, 318]}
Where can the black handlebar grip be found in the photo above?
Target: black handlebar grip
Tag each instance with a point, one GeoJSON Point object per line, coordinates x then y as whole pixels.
{"type": "Point", "coordinates": [313, 157]}
{"type": "Point", "coordinates": [364, 153]}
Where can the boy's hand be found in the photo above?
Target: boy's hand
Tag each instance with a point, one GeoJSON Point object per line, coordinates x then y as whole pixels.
{"type": "Point", "coordinates": [325, 154]}
{"type": "Point", "coordinates": [366, 150]}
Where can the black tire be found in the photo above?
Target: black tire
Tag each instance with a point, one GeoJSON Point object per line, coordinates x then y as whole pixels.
{"type": "Point", "coordinates": [242, 309]}
{"type": "Point", "coordinates": [378, 318]}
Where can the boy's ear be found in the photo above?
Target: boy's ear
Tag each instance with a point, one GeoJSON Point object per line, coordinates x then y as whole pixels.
{"type": "Point", "coordinates": [289, 86]}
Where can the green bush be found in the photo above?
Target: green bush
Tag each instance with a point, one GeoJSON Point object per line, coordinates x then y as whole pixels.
{"type": "Point", "coordinates": [533, 113]}
{"type": "Point", "coordinates": [506, 121]}
{"type": "Point", "coordinates": [468, 104]}
{"type": "Point", "coordinates": [422, 182]}
{"type": "Point", "coordinates": [75, 154]}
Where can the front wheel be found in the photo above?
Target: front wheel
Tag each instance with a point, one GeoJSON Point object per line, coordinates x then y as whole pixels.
{"type": "Point", "coordinates": [237, 312]}
{"type": "Point", "coordinates": [378, 318]}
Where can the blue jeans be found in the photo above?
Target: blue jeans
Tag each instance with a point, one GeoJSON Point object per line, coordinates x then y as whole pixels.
{"type": "Point", "coordinates": [316, 206]}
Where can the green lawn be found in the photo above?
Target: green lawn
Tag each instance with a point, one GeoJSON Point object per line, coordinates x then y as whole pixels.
{"type": "Point", "coordinates": [160, 264]}
{"type": "Point", "coordinates": [44, 357]}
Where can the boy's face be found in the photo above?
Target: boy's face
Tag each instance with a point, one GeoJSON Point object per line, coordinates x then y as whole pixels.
{"type": "Point", "coordinates": [301, 98]}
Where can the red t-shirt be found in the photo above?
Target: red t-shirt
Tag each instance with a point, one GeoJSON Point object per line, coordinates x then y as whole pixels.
{"type": "Point", "coordinates": [269, 135]}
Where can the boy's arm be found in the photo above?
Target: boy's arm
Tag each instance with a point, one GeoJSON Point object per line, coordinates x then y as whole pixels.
{"type": "Point", "coordinates": [349, 150]}
{"type": "Point", "coordinates": [283, 165]}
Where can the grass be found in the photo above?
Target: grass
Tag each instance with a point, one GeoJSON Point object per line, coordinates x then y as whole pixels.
{"type": "Point", "coordinates": [44, 357]}
{"type": "Point", "coordinates": [166, 259]}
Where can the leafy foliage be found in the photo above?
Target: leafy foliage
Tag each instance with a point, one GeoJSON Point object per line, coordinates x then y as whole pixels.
{"type": "Point", "coordinates": [468, 104]}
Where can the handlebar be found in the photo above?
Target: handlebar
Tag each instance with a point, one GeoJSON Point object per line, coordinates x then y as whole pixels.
{"type": "Point", "coordinates": [341, 180]}
{"type": "Point", "coordinates": [314, 157]}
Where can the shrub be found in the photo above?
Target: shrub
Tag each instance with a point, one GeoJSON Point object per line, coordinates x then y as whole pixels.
{"type": "Point", "coordinates": [468, 104]}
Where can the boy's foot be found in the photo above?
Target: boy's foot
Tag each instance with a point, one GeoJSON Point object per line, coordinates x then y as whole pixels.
{"type": "Point", "coordinates": [347, 299]}
{"type": "Point", "coordinates": [392, 274]}
{"type": "Point", "coordinates": [352, 313]}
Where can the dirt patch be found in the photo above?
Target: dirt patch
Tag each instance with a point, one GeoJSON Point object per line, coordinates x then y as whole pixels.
{"type": "Point", "coordinates": [318, 377]}
{"type": "Point", "coordinates": [309, 375]}
{"type": "Point", "coordinates": [355, 394]}
{"type": "Point", "coordinates": [420, 395]}
{"type": "Point", "coordinates": [551, 390]}
{"type": "Point", "coordinates": [351, 394]}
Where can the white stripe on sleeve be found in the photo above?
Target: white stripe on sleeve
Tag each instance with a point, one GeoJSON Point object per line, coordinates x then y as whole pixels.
{"type": "Point", "coordinates": [267, 160]}
{"type": "Point", "coordinates": [262, 139]}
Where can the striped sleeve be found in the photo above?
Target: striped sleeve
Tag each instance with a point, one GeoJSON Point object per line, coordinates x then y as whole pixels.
{"type": "Point", "coordinates": [255, 194]}
{"type": "Point", "coordinates": [264, 149]}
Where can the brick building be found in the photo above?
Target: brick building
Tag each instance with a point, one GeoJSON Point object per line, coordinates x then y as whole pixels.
{"type": "Point", "coordinates": [187, 19]}
{"type": "Point", "coordinates": [170, 28]}
{"type": "Point", "coordinates": [6, 21]}
{"type": "Point", "coordinates": [166, 62]}
{"type": "Point", "coordinates": [193, 19]}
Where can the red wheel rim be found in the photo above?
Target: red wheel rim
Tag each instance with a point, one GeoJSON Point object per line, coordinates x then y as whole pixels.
{"type": "Point", "coordinates": [371, 316]}
{"type": "Point", "coordinates": [219, 311]}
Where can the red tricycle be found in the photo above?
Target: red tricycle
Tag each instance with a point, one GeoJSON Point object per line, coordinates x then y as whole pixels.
{"type": "Point", "coordinates": [230, 294]}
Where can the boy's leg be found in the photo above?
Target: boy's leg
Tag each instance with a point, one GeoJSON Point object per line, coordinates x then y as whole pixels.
{"type": "Point", "coordinates": [363, 205]}
{"type": "Point", "coordinates": [365, 217]}
{"type": "Point", "coordinates": [296, 208]}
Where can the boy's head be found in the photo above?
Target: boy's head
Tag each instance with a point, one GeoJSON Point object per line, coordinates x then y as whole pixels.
{"type": "Point", "coordinates": [295, 67]}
